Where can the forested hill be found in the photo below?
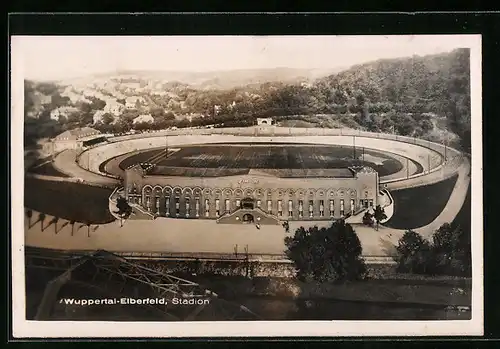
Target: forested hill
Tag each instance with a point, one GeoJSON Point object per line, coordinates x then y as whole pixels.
{"type": "Point", "coordinates": [427, 97]}
{"type": "Point", "coordinates": [438, 84]}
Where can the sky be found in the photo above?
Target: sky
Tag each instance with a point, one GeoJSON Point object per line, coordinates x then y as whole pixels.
{"type": "Point", "coordinates": [63, 57]}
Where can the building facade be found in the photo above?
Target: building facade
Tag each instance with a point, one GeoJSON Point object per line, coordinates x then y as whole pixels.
{"type": "Point", "coordinates": [255, 196]}
{"type": "Point", "coordinates": [74, 139]}
{"type": "Point", "coordinates": [264, 121]}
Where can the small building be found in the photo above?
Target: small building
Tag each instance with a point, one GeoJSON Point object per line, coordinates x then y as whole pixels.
{"type": "Point", "coordinates": [78, 138]}
{"type": "Point", "coordinates": [264, 121]}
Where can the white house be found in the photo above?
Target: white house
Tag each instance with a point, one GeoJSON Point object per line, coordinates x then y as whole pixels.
{"type": "Point", "coordinates": [144, 118]}
{"type": "Point", "coordinates": [62, 111]}
{"type": "Point", "coordinates": [113, 107]}
{"type": "Point", "coordinates": [130, 102]}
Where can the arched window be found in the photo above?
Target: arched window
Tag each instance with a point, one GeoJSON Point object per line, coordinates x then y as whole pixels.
{"type": "Point", "coordinates": [167, 206]}
{"type": "Point", "coordinates": [188, 206]}
{"type": "Point", "coordinates": [207, 208]}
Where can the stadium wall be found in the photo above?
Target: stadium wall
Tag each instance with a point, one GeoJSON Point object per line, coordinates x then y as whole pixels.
{"type": "Point", "coordinates": [423, 152]}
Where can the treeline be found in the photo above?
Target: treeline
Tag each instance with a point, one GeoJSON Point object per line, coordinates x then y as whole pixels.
{"type": "Point", "coordinates": [449, 252]}
{"type": "Point", "coordinates": [334, 253]}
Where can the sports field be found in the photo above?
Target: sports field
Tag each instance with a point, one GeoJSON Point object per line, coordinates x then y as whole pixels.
{"type": "Point", "coordinates": [268, 156]}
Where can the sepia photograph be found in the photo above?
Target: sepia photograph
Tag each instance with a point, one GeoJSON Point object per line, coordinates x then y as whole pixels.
{"type": "Point", "coordinates": [288, 185]}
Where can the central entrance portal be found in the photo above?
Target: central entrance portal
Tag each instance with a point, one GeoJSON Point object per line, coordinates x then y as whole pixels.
{"type": "Point", "coordinates": [247, 203]}
{"type": "Point", "coordinates": [248, 218]}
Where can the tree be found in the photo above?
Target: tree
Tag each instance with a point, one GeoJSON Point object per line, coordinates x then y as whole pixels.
{"type": "Point", "coordinates": [426, 125]}
{"type": "Point", "coordinates": [107, 118]}
{"type": "Point", "coordinates": [41, 218]}
{"type": "Point", "coordinates": [326, 254]}
{"type": "Point", "coordinates": [414, 254]}
{"type": "Point", "coordinates": [97, 104]}
{"type": "Point", "coordinates": [452, 250]}
{"type": "Point", "coordinates": [124, 209]}
{"type": "Point", "coordinates": [368, 219]}
{"type": "Point", "coordinates": [379, 214]}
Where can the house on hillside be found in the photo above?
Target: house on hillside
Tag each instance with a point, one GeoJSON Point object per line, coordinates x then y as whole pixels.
{"type": "Point", "coordinates": [146, 118]}
{"type": "Point", "coordinates": [62, 111]}
{"type": "Point", "coordinates": [76, 139]}
{"type": "Point", "coordinates": [131, 102]}
{"type": "Point", "coordinates": [113, 107]}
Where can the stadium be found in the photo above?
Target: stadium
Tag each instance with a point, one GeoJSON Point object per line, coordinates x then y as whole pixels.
{"type": "Point", "coordinates": [206, 181]}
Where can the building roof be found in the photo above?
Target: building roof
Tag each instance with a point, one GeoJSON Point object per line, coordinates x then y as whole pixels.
{"type": "Point", "coordinates": [223, 172]}
{"type": "Point", "coordinates": [364, 169]}
{"type": "Point", "coordinates": [77, 133]}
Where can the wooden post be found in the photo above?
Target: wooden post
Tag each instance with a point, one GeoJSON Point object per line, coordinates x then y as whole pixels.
{"type": "Point", "coordinates": [247, 262]}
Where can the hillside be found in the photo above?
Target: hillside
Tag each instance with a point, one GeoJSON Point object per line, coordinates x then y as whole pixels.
{"type": "Point", "coordinates": [410, 96]}
{"type": "Point", "coordinates": [438, 84]}
{"type": "Point", "coordinates": [426, 97]}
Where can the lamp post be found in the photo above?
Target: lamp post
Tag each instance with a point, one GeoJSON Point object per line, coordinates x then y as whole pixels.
{"type": "Point", "coordinates": [354, 146]}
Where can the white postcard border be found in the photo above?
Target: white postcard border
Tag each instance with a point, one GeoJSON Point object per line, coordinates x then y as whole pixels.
{"type": "Point", "coordinates": [23, 328]}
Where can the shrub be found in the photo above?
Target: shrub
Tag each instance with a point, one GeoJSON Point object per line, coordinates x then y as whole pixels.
{"type": "Point", "coordinates": [326, 254]}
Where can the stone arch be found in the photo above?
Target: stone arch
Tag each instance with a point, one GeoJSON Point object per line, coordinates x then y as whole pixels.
{"type": "Point", "coordinates": [352, 192]}
{"type": "Point", "coordinates": [290, 193]}
{"type": "Point", "coordinates": [341, 191]}
{"type": "Point", "coordinates": [177, 191]}
{"type": "Point", "coordinates": [332, 192]}
{"type": "Point", "coordinates": [281, 192]}
{"type": "Point", "coordinates": [269, 192]}
{"type": "Point", "coordinates": [207, 192]}
{"type": "Point", "coordinates": [321, 193]}
{"type": "Point", "coordinates": [301, 193]}
{"type": "Point", "coordinates": [187, 191]}
{"type": "Point", "coordinates": [238, 192]}
{"type": "Point", "coordinates": [157, 190]}
{"type": "Point", "coordinates": [167, 190]}
{"type": "Point", "coordinates": [249, 192]}
{"type": "Point", "coordinates": [147, 189]}
{"type": "Point", "coordinates": [197, 191]}
{"type": "Point", "coordinates": [311, 192]}
{"type": "Point", "coordinates": [217, 192]}
{"type": "Point", "coordinates": [228, 192]}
